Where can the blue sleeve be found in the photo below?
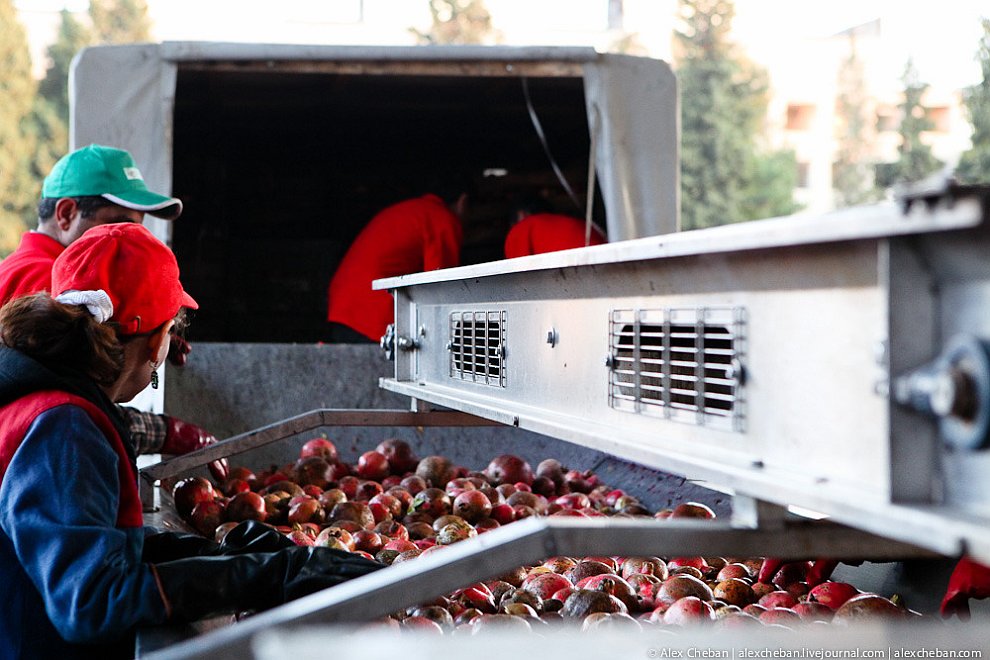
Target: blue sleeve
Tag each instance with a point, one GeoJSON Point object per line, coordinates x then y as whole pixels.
{"type": "Point", "coordinates": [58, 505]}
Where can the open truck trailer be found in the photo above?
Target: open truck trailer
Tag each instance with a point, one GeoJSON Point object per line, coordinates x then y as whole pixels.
{"type": "Point", "coordinates": [833, 364]}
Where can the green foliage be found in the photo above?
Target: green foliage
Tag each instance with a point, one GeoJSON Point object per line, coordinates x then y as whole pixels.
{"type": "Point", "coordinates": [974, 165]}
{"type": "Point", "coordinates": [120, 21]}
{"type": "Point", "coordinates": [457, 22]}
{"type": "Point", "coordinates": [17, 89]}
{"type": "Point", "coordinates": [852, 171]}
{"type": "Point", "coordinates": [724, 177]}
{"type": "Point", "coordinates": [916, 159]}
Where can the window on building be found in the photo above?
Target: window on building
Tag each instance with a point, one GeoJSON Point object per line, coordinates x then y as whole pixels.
{"type": "Point", "coordinates": [939, 116]}
{"type": "Point", "coordinates": [800, 116]}
{"type": "Point", "coordinates": [887, 118]}
{"type": "Point", "coordinates": [802, 174]}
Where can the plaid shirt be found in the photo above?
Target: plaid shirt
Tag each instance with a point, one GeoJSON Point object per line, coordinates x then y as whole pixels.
{"type": "Point", "coordinates": [147, 430]}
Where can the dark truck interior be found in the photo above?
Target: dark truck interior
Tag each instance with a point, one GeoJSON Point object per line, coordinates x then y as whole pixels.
{"type": "Point", "coordinates": [280, 169]}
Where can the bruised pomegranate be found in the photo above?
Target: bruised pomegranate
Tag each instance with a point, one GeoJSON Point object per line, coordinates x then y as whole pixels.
{"type": "Point", "coordinates": [778, 599]}
{"type": "Point", "coordinates": [432, 501]}
{"type": "Point", "coordinates": [436, 471]}
{"type": "Point", "coordinates": [734, 591]}
{"type": "Point", "coordinates": [313, 470]}
{"type": "Point", "coordinates": [399, 455]}
{"type": "Point", "coordinates": [587, 568]}
{"type": "Point", "coordinates": [811, 611]}
{"type": "Point", "coordinates": [583, 602]}
{"type": "Point", "coordinates": [355, 511]}
{"type": "Point", "coordinates": [681, 586]}
{"type": "Point", "coordinates": [545, 585]}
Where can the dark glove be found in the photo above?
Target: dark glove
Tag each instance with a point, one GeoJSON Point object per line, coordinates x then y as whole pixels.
{"type": "Point", "coordinates": [253, 536]}
{"type": "Point", "coordinates": [968, 580]}
{"type": "Point", "coordinates": [169, 546]}
{"type": "Point", "coordinates": [182, 437]}
{"type": "Point", "coordinates": [178, 349]}
{"type": "Point", "coordinates": [196, 588]}
{"type": "Point", "coordinates": [248, 536]}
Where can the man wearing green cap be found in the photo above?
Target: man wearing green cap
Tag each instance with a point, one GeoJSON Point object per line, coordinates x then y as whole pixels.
{"type": "Point", "coordinates": [92, 186]}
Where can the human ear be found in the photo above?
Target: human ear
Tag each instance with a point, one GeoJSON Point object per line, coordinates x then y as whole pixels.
{"type": "Point", "coordinates": [158, 342]}
{"type": "Point", "coordinates": [66, 210]}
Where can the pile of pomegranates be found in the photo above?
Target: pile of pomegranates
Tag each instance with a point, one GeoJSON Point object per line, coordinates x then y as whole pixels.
{"type": "Point", "coordinates": [394, 507]}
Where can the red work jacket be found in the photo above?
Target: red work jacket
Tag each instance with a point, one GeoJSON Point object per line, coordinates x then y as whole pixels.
{"type": "Point", "coordinates": [547, 232]}
{"type": "Point", "coordinates": [28, 269]}
{"type": "Point", "coordinates": [412, 236]}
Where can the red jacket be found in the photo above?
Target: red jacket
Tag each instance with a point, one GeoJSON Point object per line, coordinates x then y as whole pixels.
{"type": "Point", "coordinates": [28, 269]}
{"type": "Point", "coordinates": [409, 237]}
{"type": "Point", "coordinates": [547, 232]}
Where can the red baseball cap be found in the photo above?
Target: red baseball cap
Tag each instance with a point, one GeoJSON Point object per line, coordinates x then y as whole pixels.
{"type": "Point", "coordinates": [138, 272]}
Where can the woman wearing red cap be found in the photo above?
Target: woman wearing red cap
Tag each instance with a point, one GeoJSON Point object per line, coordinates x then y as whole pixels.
{"type": "Point", "coordinates": [77, 572]}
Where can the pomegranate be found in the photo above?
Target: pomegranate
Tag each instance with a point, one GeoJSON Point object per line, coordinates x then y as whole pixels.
{"type": "Point", "coordinates": [734, 570]}
{"type": "Point", "coordinates": [509, 469]}
{"type": "Point", "coordinates": [689, 611]}
{"type": "Point", "coordinates": [313, 470]}
{"type": "Point", "coordinates": [832, 594]}
{"type": "Point", "coordinates": [413, 483]}
{"type": "Point", "coordinates": [432, 501]}
{"type": "Point", "coordinates": [472, 505]}
{"type": "Point", "coordinates": [436, 471]}
{"type": "Point", "coordinates": [778, 599]}
{"type": "Point", "coordinates": [692, 510]}
{"type": "Point", "coordinates": [615, 585]}
{"type": "Point", "coordinates": [307, 509]}
{"type": "Point", "coordinates": [812, 611]}
{"type": "Point", "coordinates": [587, 568]}
{"type": "Point", "coordinates": [189, 492]}
{"type": "Point", "coordinates": [246, 506]}
{"type": "Point", "coordinates": [354, 511]}
{"type": "Point", "coordinates": [373, 465]}
{"type": "Point", "coordinates": [680, 586]}
{"type": "Point", "coordinates": [497, 623]}
{"type": "Point", "coordinates": [545, 585]}
{"type": "Point", "coordinates": [780, 616]}
{"type": "Point", "coordinates": [650, 565]}
{"type": "Point", "coordinates": [399, 455]}
{"type": "Point", "coordinates": [867, 607]}
{"type": "Point", "coordinates": [734, 591]}
{"type": "Point", "coordinates": [582, 602]}
{"type": "Point", "coordinates": [321, 448]}
{"type": "Point", "coordinates": [206, 516]}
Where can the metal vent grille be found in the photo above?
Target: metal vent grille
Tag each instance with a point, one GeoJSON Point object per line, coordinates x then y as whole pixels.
{"type": "Point", "coordinates": [477, 347]}
{"type": "Point", "coordinates": [683, 364]}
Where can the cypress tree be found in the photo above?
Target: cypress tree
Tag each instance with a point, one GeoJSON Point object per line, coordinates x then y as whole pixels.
{"type": "Point", "coordinates": [852, 171]}
{"type": "Point", "coordinates": [974, 165]}
{"type": "Point", "coordinates": [724, 175]}
{"type": "Point", "coordinates": [916, 159]}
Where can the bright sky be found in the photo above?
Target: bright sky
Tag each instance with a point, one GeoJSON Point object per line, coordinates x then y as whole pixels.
{"type": "Point", "coordinates": [940, 37]}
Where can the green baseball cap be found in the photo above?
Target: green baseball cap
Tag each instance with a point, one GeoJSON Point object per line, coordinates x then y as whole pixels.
{"type": "Point", "coordinates": [109, 173]}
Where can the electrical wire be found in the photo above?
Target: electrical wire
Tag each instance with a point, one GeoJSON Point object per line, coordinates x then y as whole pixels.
{"type": "Point", "coordinates": [546, 147]}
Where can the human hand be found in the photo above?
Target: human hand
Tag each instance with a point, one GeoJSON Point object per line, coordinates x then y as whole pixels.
{"type": "Point", "coordinates": [182, 437]}
{"type": "Point", "coordinates": [969, 579]}
{"type": "Point", "coordinates": [178, 350]}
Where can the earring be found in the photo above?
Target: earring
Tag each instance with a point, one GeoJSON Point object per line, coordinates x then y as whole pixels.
{"type": "Point", "coordinates": [154, 375]}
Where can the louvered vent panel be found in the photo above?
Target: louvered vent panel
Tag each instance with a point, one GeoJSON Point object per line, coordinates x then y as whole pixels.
{"type": "Point", "coordinates": [683, 364]}
{"type": "Point", "coordinates": [477, 346]}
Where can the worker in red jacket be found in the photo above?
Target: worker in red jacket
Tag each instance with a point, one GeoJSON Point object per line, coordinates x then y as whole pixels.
{"type": "Point", "coordinates": [412, 236]}
{"type": "Point", "coordinates": [92, 186]}
{"type": "Point", "coordinates": [535, 230]}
